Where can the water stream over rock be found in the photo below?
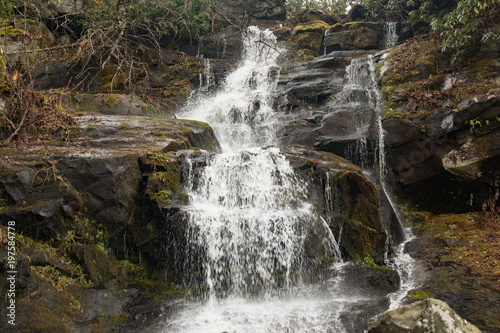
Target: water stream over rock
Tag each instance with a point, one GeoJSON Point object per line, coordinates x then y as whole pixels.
{"type": "Point", "coordinates": [250, 219]}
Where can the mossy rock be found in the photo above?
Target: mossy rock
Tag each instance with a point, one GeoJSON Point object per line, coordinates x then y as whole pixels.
{"type": "Point", "coordinates": [103, 269]}
{"type": "Point", "coordinates": [310, 15]}
{"type": "Point", "coordinates": [314, 26]}
{"type": "Point", "coordinates": [417, 294]}
{"type": "Point", "coordinates": [104, 323]}
{"type": "Point", "coordinates": [163, 183]}
{"type": "Point", "coordinates": [49, 309]}
{"type": "Point", "coordinates": [110, 80]}
{"type": "Point", "coordinates": [35, 31]}
{"type": "Point", "coordinates": [354, 36]}
{"type": "Point", "coordinates": [311, 41]}
{"type": "Point", "coordinates": [159, 291]}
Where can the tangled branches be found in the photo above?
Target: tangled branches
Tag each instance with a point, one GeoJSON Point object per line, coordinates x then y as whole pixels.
{"type": "Point", "coordinates": [119, 34]}
{"type": "Point", "coordinates": [30, 115]}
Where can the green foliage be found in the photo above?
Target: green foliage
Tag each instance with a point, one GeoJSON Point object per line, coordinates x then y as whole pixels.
{"type": "Point", "coordinates": [152, 16]}
{"type": "Point", "coordinates": [333, 6]}
{"type": "Point", "coordinates": [466, 26]}
{"type": "Point", "coordinates": [473, 123]}
{"type": "Point", "coordinates": [119, 34]}
{"type": "Point", "coordinates": [6, 8]}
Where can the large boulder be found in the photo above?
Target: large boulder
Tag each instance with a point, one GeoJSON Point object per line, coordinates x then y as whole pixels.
{"type": "Point", "coordinates": [445, 149]}
{"type": "Point", "coordinates": [429, 315]}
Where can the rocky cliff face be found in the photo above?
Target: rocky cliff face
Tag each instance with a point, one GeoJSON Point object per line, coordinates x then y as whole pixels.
{"type": "Point", "coordinates": [442, 135]}
{"type": "Point", "coordinates": [103, 228]}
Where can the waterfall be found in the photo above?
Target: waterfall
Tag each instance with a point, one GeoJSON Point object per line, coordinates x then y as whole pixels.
{"type": "Point", "coordinates": [206, 77]}
{"type": "Point", "coordinates": [248, 212]}
{"type": "Point", "coordinates": [324, 41]}
{"type": "Point", "coordinates": [402, 262]}
{"type": "Point", "coordinates": [241, 113]}
{"type": "Point", "coordinates": [249, 217]}
{"type": "Point", "coordinates": [361, 88]}
{"type": "Point", "coordinates": [358, 98]}
{"type": "Point", "coordinates": [390, 35]}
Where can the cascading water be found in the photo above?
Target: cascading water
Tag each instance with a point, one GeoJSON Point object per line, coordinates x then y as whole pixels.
{"type": "Point", "coordinates": [390, 35]}
{"type": "Point", "coordinates": [248, 220]}
{"type": "Point", "coordinates": [402, 262]}
{"type": "Point", "coordinates": [206, 77]}
{"type": "Point", "coordinates": [324, 41]}
{"type": "Point", "coordinates": [240, 113]}
{"type": "Point", "coordinates": [357, 98]}
{"type": "Point", "coordinates": [248, 217]}
{"type": "Point", "coordinates": [360, 86]}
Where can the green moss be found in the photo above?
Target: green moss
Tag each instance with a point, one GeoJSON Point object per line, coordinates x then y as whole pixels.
{"type": "Point", "coordinates": [307, 40]}
{"type": "Point", "coordinates": [148, 108]}
{"type": "Point", "coordinates": [104, 269]}
{"type": "Point", "coordinates": [109, 100]}
{"type": "Point", "coordinates": [162, 197]}
{"type": "Point", "coordinates": [314, 26]}
{"type": "Point", "coordinates": [105, 323]}
{"type": "Point", "coordinates": [359, 239]}
{"type": "Point", "coordinates": [111, 80]}
{"type": "Point", "coordinates": [390, 113]}
{"type": "Point", "coordinates": [164, 180]}
{"type": "Point", "coordinates": [160, 291]}
{"type": "Point", "coordinates": [412, 84]}
{"type": "Point", "coordinates": [414, 59]}
{"type": "Point", "coordinates": [10, 31]}
{"type": "Point", "coordinates": [417, 294]}
{"type": "Point", "coordinates": [170, 178]}
{"type": "Point", "coordinates": [176, 92]}
{"type": "Point", "coordinates": [50, 309]}
{"type": "Point", "coordinates": [369, 262]}
{"type": "Point", "coordinates": [300, 56]}
{"type": "Point", "coordinates": [44, 319]}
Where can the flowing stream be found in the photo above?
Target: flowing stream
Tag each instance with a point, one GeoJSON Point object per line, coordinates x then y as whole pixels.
{"type": "Point", "coordinates": [248, 219]}
{"type": "Point", "coordinates": [361, 88]}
